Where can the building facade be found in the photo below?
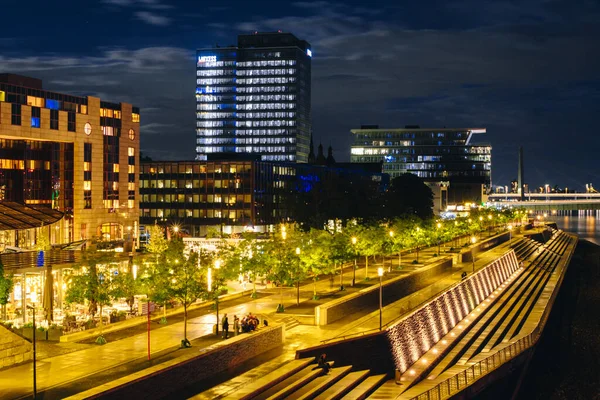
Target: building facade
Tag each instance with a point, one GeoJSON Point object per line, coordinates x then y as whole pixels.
{"type": "Point", "coordinates": [228, 195]}
{"type": "Point", "coordinates": [77, 155]}
{"type": "Point", "coordinates": [457, 171]}
{"type": "Point", "coordinates": [255, 98]}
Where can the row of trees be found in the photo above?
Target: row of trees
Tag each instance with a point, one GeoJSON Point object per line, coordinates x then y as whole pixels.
{"type": "Point", "coordinates": [171, 273]}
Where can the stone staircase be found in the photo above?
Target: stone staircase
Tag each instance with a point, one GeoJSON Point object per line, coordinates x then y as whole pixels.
{"type": "Point", "coordinates": [290, 323]}
{"type": "Point", "coordinates": [302, 380]}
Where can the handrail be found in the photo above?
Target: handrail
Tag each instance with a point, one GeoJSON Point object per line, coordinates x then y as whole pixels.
{"type": "Point", "coordinates": [456, 383]}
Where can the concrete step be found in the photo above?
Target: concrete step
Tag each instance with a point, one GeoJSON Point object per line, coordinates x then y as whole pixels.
{"type": "Point", "coordinates": [344, 385]}
{"type": "Point", "coordinates": [290, 323]}
{"type": "Point", "coordinates": [366, 387]}
{"type": "Point", "coordinates": [320, 384]}
{"type": "Point", "coordinates": [388, 390]}
{"type": "Point", "coordinates": [286, 391]}
{"type": "Point", "coordinates": [271, 379]}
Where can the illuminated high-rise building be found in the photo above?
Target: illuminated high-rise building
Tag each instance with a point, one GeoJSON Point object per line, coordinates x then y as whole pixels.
{"type": "Point", "coordinates": [255, 98]}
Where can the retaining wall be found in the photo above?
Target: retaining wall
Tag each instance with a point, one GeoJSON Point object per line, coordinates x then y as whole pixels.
{"type": "Point", "coordinates": [368, 298]}
{"type": "Point", "coordinates": [13, 348]}
{"type": "Point", "coordinates": [162, 380]}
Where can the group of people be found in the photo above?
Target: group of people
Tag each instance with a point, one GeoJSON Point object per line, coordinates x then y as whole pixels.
{"type": "Point", "coordinates": [247, 324]}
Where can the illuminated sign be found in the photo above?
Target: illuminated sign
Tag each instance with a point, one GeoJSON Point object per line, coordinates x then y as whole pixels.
{"type": "Point", "coordinates": [204, 59]}
{"type": "Point", "coordinates": [309, 52]}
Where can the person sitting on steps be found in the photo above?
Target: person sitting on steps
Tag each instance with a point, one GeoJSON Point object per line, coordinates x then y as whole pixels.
{"type": "Point", "coordinates": [323, 363]}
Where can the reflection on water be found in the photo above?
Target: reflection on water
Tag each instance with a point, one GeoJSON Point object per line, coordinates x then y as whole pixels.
{"type": "Point", "coordinates": [587, 227]}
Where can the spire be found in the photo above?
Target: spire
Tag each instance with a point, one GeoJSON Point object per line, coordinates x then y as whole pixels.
{"type": "Point", "coordinates": [320, 156]}
{"type": "Point", "coordinates": [330, 159]}
{"type": "Point", "coordinates": [311, 154]}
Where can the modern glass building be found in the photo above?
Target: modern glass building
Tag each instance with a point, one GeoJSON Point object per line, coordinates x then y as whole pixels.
{"type": "Point", "coordinates": [255, 98]}
{"type": "Point", "coordinates": [444, 158]}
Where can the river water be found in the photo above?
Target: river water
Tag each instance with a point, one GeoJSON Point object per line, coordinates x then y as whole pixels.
{"type": "Point", "coordinates": [587, 227]}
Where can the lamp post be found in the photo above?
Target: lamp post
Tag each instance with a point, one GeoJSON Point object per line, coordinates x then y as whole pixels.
{"type": "Point", "coordinates": [298, 280]}
{"type": "Point", "coordinates": [510, 228]}
{"type": "Point", "coordinates": [354, 270]}
{"type": "Point", "coordinates": [380, 273]}
{"type": "Point", "coordinates": [391, 233]}
{"type": "Point", "coordinates": [32, 307]}
{"type": "Point", "coordinates": [217, 266]}
{"type": "Point", "coordinates": [418, 229]}
{"type": "Point", "coordinates": [439, 226]}
{"type": "Point", "coordinates": [280, 307]}
{"type": "Point", "coordinates": [490, 225]}
{"type": "Point", "coordinates": [473, 240]}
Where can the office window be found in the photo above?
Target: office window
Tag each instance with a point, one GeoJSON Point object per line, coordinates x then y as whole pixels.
{"type": "Point", "coordinates": [15, 114]}
{"type": "Point", "coordinates": [71, 127]}
{"type": "Point", "coordinates": [35, 117]}
{"type": "Point", "coordinates": [135, 117]}
{"type": "Point", "coordinates": [53, 119]}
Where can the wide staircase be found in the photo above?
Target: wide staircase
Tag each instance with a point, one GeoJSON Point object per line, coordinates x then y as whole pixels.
{"type": "Point", "coordinates": [497, 320]}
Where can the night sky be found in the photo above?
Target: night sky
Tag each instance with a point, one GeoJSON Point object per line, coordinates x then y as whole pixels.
{"type": "Point", "coordinates": [528, 71]}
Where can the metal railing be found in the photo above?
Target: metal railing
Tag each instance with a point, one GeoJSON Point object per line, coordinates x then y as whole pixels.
{"type": "Point", "coordinates": [461, 380]}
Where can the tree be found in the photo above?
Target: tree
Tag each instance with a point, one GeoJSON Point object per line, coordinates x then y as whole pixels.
{"type": "Point", "coordinates": [6, 286]}
{"type": "Point", "coordinates": [408, 195]}
{"type": "Point", "coordinates": [314, 256]}
{"type": "Point", "coordinates": [43, 240]}
{"type": "Point", "coordinates": [155, 280]}
{"type": "Point", "coordinates": [188, 282]}
{"type": "Point", "coordinates": [157, 243]}
{"type": "Point", "coordinates": [92, 284]}
{"type": "Point", "coordinates": [124, 286]}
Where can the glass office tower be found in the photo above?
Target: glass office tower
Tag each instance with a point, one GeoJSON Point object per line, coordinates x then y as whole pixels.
{"type": "Point", "coordinates": [442, 157]}
{"type": "Point", "coordinates": [255, 98]}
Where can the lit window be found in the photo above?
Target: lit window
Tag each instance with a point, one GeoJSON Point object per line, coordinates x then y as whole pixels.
{"type": "Point", "coordinates": [135, 117]}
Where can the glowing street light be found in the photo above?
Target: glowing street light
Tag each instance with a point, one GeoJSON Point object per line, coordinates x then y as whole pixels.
{"type": "Point", "coordinates": [298, 281]}
{"type": "Point", "coordinates": [209, 279]}
{"type": "Point", "coordinates": [473, 240]}
{"type": "Point", "coordinates": [391, 233]}
{"type": "Point", "coordinates": [380, 273]}
{"type": "Point", "coordinates": [510, 228]}
{"type": "Point", "coordinates": [33, 298]}
{"type": "Point", "coordinates": [354, 240]}
{"type": "Point", "coordinates": [439, 226]}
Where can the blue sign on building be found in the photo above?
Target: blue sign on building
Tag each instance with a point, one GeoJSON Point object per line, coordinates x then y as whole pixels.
{"type": "Point", "coordinates": [40, 258]}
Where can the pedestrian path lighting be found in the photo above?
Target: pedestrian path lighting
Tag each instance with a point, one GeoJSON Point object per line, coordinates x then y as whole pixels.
{"type": "Point", "coordinates": [510, 228]}
{"type": "Point", "coordinates": [354, 270]}
{"type": "Point", "coordinates": [439, 226]}
{"type": "Point", "coordinates": [217, 266]}
{"type": "Point", "coordinates": [473, 240]}
{"type": "Point", "coordinates": [380, 273]}
{"type": "Point", "coordinates": [490, 225]}
{"type": "Point", "coordinates": [280, 307]}
{"type": "Point", "coordinates": [391, 233]}
{"type": "Point", "coordinates": [298, 280]}
{"type": "Point", "coordinates": [32, 307]}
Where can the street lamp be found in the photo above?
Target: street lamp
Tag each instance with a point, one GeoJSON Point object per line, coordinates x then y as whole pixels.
{"type": "Point", "coordinates": [217, 266]}
{"type": "Point", "coordinates": [439, 225]}
{"type": "Point", "coordinates": [473, 240]}
{"type": "Point", "coordinates": [490, 225]}
{"type": "Point", "coordinates": [510, 228]}
{"type": "Point", "coordinates": [32, 307]}
{"type": "Point", "coordinates": [391, 239]}
{"type": "Point", "coordinates": [418, 229]}
{"type": "Point", "coordinates": [354, 270]}
{"type": "Point", "coordinates": [380, 273]}
{"type": "Point", "coordinates": [280, 307]}
{"type": "Point", "coordinates": [298, 280]}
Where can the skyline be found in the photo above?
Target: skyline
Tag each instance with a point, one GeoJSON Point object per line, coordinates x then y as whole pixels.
{"type": "Point", "coordinates": [525, 71]}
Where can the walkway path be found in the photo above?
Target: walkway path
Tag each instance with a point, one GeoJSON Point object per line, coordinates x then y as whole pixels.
{"type": "Point", "coordinates": [60, 370]}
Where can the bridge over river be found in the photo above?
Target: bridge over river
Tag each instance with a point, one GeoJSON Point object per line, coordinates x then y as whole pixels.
{"type": "Point", "coordinates": [555, 203]}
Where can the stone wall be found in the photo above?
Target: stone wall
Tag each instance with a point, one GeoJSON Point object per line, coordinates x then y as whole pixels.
{"type": "Point", "coordinates": [162, 380]}
{"type": "Point", "coordinates": [484, 245]}
{"type": "Point", "coordinates": [13, 348]}
{"type": "Point", "coordinates": [414, 335]}
{"type": "Point", "coordinates": [393, 290]}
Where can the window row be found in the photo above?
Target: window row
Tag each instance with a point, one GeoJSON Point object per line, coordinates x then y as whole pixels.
{"type": "Point", "coordinates": [262, 81]}
{"type": "Point", "coordinates": [267, 115]}
{"type": "Point", "coordinates": [213, 64]}
{"type": "Point", "coordinates": [278, 157]}
{"type": "Point", "coordinates": [214, 81]}
{"type": "Point", "coordinates": [197, 168]}
{"type": "Point", "coordinates": [215, 115]}
{"type": "Point", "coordinates": [267, 97]}
{"type": "Point", "coordinates": [107, 112]}
{"type": "Point", "coordinates": [214, 141]}
{"type": "Point", "coordinates": [210, 98]}
{"type": "Point", "coordinates": [267, 63]}
{"type": "Point", "coordinates": [210, 89]}
{"type": "Point", "coordinates": [263, 149]}
{"type": "Point", "coordinates": [266, 106]}
{"type": "Point", "coordinates": [214, 106]}
{"type": "Point", "coordinates": [264, 140]}
{"type": "Point", "coordinates": [196, 198]}
{"type": "Point", "coordinates": [263, 89]}
{"type": "Point", "coordinates": [266, 72]}
{"type": "Point", "coordinates": [252, 132]}
{"type": "Point", "coordinates": [215, 72]}
{"type": "Point", "coordinates": [195, 213]}
{"type": "Point", "coordinates": [265, 123]}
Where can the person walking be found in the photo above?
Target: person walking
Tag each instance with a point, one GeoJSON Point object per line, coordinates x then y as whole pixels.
{"type": "Point", "coordinates": [236, 325]}
{"type": "Point", "coordinates": [225, 326]}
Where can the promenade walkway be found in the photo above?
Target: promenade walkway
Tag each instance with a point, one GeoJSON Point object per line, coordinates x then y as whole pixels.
{"type": "Point", "coordinates": [65, 369]}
